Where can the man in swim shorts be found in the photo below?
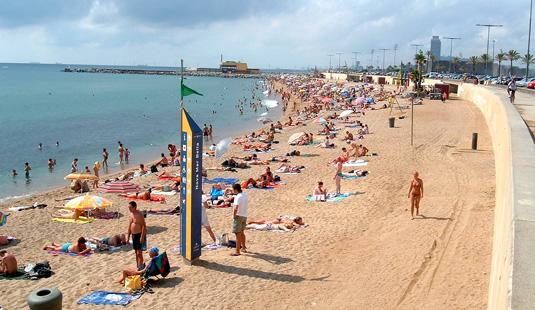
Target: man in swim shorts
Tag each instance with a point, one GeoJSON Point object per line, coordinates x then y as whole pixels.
{"type": "Point", "coordinates": [137, 229]}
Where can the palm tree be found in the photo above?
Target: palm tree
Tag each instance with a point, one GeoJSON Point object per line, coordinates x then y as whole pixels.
{"type": "Point", "coordinates": [473, 60]}
{"type": "Point", "coordinates": [455, 61]}
{"type": "Point", "coordinates": [500, 57]}
{"type": "Point", "coordinates": [420, 60]}
{"type": "Point", "coordinates": [512, 55]}
{"type": "Point", "coordinates": [528, 58]}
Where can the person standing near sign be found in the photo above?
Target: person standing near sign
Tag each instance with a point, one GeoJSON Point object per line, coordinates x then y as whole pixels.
{"type": "Point", "coordinates": [137, 228]}
{"type": "Point", "coordinates": [240, 218]}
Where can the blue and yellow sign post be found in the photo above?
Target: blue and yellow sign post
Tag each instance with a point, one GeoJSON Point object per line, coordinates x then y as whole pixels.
{"type": "Point", "coordinates": [191, 188]}
{"type": "Point", "coordinates": [191, 137]}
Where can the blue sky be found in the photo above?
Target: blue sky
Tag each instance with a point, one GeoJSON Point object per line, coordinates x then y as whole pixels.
{"type": "Point", "coordinates": [266, 34]}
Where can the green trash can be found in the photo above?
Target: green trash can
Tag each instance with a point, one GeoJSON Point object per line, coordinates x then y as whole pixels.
{"type": "Point", "coordinates": [45, 299]}
{"type": "Point", "coordinates": [391, 121]}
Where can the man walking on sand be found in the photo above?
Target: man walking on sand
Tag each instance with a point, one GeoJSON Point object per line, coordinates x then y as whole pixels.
{"type": "Point", "coordinates": [511, 89]}
{"type": "Point", "coordinates": [138, 229]}
{"type": "Point", "coordinates": [416, 193]}
{"type": "Point", "coordinates": [240, 219]}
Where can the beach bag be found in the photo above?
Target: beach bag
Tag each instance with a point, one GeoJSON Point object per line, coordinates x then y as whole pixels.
{"type": "Point", "coordinates": [133, 283]}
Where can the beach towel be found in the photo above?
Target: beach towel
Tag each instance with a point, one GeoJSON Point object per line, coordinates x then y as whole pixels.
{"type": "Point", "coordinates": [107, 298]}
{"type": "Point", "coordinates": [221, 180]}
{"type": "Point", "coordinates": [355, 163]}
{"type": "Point", "coordinates": [3, 218]}
{"type": "Point", "coordinates": [81, 220]}
{"type": "Point", "coordinates": [352, 177]}
{"type": "Point", "coordinates": [212, 246]}
{"type": "Point", "coordinates": [22, 208]}
{"type": "Point", "coordinates": [330, 197]}
{"type": "Point", "coordinates": [55, 253]}
{"type": "Point", "coordinates": [153, 198]}
{"type": "Point", "coordinates": [171, 193]}
{"type": "Point", "coordinates": [19, 275]}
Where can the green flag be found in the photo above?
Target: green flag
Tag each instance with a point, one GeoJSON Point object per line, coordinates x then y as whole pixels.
{"type": "Point", "coordinates": [186, 91]}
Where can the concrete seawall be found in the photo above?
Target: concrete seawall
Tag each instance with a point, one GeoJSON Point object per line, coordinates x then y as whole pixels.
{"type": "Point", "coordinates": [512, 277]}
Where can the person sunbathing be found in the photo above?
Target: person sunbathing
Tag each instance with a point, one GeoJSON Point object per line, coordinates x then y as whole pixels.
{"type": "Point", "coordinates": [268, 175]}
{"type": "Point", "coordinates": [280, 223]}
{"type": "Point", "coordinates": [259, 183]}
{"type": "Point", "coordinates": [320, 192]}
{"type": "Point", "coordinates": [358, 173]}
{"type": "Point", "coordinates": [353, 151]}
{"type": "Point", "coordinates": [326, 143]}
{"type": "Point", "coordinates": [278, 125]}
{"type": "Point", "coordinates": [76, 213]}
{"type": "Point", "coordinates": [115, 241]}
{"type": "Point", "coordinates": [163, 162]}
{"type": "Point", "coordinates": [146, 195]}
{"type": "Point", "coordinates": [348, 137]}
{"type": "Point", "coordinates": [234, 164]}
{"type": "Point", "coordinates": [79, 248]}
{"type": "Point", "coordinates": [4, 240]}
{"type": "Point", "coordinates": [8, 263]}
{"type": "Point", "coordinates": [286, 168]}
{"type": "Point", "coordinates": [289, 122]}
{"type": "Point", "coordinates": [247, 157]}
{"type": "Point", "coordinates": [362, 151]}
{"type": "Point", "coordinates": [133, 270]}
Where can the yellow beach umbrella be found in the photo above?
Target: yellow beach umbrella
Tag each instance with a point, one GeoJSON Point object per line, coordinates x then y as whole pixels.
{"type": "Point", "coordinates": [80, 176]}
{"type": "Point", "coordinates": [88, 202]}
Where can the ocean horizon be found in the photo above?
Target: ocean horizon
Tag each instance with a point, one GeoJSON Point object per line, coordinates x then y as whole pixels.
{"type": "Point", "coordinates": [86, 112]}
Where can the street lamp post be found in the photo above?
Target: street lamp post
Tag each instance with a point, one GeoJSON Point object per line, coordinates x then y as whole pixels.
{"type": "Point", "coordinates": [451, 49]}
{"type": "Point", "coordinates": [416, 48]}
{"type": "Point", "coordinates": [529, 39]}
{"type": "Point", "coordinates": [395, 50]}
{"type": "Point", "coordinates": [384, 52]}
{"type": "Point", "coordinates": [488, 41]}
{"type": "Point", "coordinates": [339, 60]}
{"type": "Point", "coordinates": [356, 53]}
{"type": "Point", "coordinates": [330, 61]}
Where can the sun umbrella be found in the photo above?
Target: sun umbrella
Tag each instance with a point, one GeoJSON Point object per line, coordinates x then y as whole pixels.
{"type": "Point", "coordinates": [270, 103]}
{"type": "Point", "coordinates": [345, 113]}
{"type": "Point", "coordinates": [80, 176]}
{"type": "Point", "coordinates": [119, 187]}
{"type": "Point", "coordinates": [222, 147]}
{"type": "Point", "coordinates": [88, 202]}
{"type": "Point", "coordinates": [295, 137]}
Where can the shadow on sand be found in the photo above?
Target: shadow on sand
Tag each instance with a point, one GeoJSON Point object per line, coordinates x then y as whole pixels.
{"type": "Point", "coordinates": [276, 260]}
{"type": "Point", "coordinates": [241, 271]}
{"type": "Point", "coordinates": [423, 217]}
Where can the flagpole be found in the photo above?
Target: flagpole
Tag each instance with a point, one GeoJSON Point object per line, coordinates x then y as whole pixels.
{"type": "Point", "coordinates": [181, 83]}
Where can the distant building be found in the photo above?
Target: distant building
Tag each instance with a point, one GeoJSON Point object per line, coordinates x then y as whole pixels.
{"type": "Point", "coordinates": [233, 67]}
{"type": "Point", "coordinates": [236, 67]}
{"type": "Point", "coordinates": [435, 47]}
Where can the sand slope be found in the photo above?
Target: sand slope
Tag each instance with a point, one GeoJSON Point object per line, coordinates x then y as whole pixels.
{"type": "Point", "coordinates": [360, 253]}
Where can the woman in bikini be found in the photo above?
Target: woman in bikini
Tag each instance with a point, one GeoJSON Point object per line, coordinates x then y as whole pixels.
{"type": "Point", "coordinates": [416, 193]}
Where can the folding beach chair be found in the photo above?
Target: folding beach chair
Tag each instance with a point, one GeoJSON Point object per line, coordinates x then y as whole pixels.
{"type": "Point", "coordinates": [159, 266]}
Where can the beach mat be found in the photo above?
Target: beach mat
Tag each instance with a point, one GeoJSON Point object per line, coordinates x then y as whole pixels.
{"type": "Point", "coordinates": [107, 298]}
{"type": "Point", "coordinates": [162, 193]}
{"type": "Point", "coordinates": [221, 180]}
{"type": "Point", "coordinates": [55, 253]}
{"type": "Point", "coordinates": [330, 198]}
{"type": "Point", "coordinates": [81, 220]}
{"type": "Point", "coordinates": [356, 163]}
{"type": "Point", "coordinates": [20, 275]}
{"type": "Point", "coordinates": [352, 177]}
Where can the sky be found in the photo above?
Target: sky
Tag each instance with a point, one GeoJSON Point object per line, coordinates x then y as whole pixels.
{"type": "Point", "coordinates": [291, 34]}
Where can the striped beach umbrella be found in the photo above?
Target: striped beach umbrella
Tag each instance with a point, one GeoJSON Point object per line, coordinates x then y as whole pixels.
{"type": "Point", "coordinates": [88, 202]}
{"type": "Point", "coordinates": [118, 187]}
{"type": "Point", "coordinates": [3, 218]}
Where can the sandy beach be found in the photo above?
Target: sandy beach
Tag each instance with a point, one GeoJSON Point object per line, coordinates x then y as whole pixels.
{"type": "Point", "coordinates": [363, 252]}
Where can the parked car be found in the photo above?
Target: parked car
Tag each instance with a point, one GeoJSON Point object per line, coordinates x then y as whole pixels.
{"type": "Point", "coordinates": [531, 85]}
{"type": "Point", "coordinates": [524, 83]}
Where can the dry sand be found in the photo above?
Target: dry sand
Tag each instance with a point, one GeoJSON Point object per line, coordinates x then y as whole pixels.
{"type": "Point", "coordinates": [361, 253]}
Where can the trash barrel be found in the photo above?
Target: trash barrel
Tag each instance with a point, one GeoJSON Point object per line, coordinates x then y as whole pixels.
{"type": "Point", "coordinates": [45, 299]}
{"type": "Point", "coordinates": [391, 121]}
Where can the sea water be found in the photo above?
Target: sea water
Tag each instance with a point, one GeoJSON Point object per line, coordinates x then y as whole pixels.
{"type": "Point", "coordinates": [86, 112]}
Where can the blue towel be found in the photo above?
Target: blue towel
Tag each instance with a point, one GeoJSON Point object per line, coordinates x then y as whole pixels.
{"type": "Point", "coordinates": [221, 180]}
{"type": "Point", "coordinates": [107, 298]}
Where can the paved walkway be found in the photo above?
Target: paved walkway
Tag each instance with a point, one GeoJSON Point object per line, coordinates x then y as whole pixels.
{"type": "Point", "coordinates": [525, 105]}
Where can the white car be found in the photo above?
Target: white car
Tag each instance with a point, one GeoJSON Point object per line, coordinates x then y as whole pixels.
{"type": "Point", "coordinates": [524, 83]}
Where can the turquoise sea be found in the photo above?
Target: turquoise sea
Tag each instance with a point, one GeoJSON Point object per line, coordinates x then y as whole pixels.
{"type": "Point", "coordinates": [86, 112]}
